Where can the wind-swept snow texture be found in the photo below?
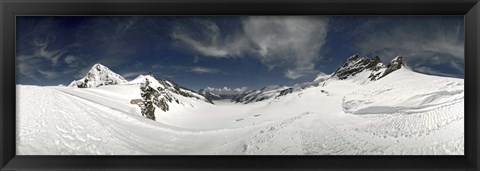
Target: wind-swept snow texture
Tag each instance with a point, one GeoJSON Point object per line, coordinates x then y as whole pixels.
{"type": "Point", "coordinates": [404, 113]}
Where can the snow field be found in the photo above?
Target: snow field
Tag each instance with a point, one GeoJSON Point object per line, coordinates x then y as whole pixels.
{"type": "Point", "coordinates": [404, 113]}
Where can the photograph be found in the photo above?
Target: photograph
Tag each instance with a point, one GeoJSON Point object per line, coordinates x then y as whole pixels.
{"type": "Point", "coordinates": [240, 85]}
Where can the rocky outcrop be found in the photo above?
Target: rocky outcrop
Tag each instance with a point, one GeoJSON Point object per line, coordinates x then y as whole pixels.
{"type": "Point", "coordinates": [356, 64]}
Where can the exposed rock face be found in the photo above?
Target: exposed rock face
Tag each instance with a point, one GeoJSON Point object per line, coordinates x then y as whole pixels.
{"type": "Point", "coordinates": [356, 64]}
{"type": "Point", "coordinates": [170, 87]}
{"type": "Point", "coordinates": [175, 88]}
{"type": "Point", "coordinates": [285, 92]}
{"type": "Point", "coordinates": [98, 75]}
{"type": "Point", "coordinates": [394, 65]}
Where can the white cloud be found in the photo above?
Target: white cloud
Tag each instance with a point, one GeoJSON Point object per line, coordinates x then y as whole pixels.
{"type": "Point", "coordinates": [69, 71]}
{"type": "Point", "coordinates": [426, 43]}
{"type": "Point", "coordinates": [431, 71]}
{"type": "Point", "coordinates": [289, 42]}
{"type": "Point", "coordinates": [457, 66]}
{"type": "Point", "coordinates": [109, 37]}
{"type": "Point", "coordinates": [241, 89]}
{"type": "Point", "coordinates": [82, 72]}
{"type": "Point", "coordinates": [293, 42]}
{"type": "Point", "coordinates": [157, 66]}
{"type": "Point", "coordinates": [299, 72]}
{"type": "Point", "coordinates": [196, 59]}
{"type": "Point", "coordinates": [40, 50]}
{"type": "Point", "coordinates": [204, 70]}
{"type": "Point", "coordinates": [70, 59]}
{"type": "Point", "coordinates": [40, 61]}
{"type": "Point", "coordinates": [416, 42]}
{"type": "Point", "coordinates": [211, 42]}
{"type": "Point", "coordinates": [125, 25]}
{"type": "Point", "coordinates": [28, 68]}
{"type": "Point", "coordinates": [49, 74]}
{"type": "Point", "coordinates": [226, 90]}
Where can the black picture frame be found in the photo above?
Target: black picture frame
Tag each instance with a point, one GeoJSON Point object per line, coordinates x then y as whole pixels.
{"type": "Point", "coordinates": [11, 8]}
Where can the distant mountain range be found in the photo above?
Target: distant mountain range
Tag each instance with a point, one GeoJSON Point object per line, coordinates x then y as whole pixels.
{"type": "Point", "coordinates": [370, 69]}
{"type": "Point", "coordinates": [101, 75]}
{"type": "Point", "coordinates": [363, 68]}
{"type": "Point", "coordinates": [365, 107]}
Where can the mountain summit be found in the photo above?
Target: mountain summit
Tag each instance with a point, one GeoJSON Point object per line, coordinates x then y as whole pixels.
{"type": "Point", "coordinates": [357, 64]}
{"type": "Point", "coordinates": [98, 75]}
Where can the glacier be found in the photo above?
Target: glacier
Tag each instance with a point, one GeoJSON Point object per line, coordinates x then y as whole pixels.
{"type": "Point", "coordinates": [402, 113]}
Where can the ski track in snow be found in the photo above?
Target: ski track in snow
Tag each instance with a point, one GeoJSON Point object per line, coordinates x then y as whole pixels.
{"type": "Point", "coordinates": [383, 135]}
{"type": "Point", "coordinates": [68, 121]}
{"type": "Point", "coordinates": [66, 132]}
{"type": "Point", "coordinates": [113, 133]}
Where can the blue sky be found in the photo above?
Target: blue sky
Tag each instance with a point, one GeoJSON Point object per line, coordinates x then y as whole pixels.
{"type": "Point", "coordinates": [230, 51]}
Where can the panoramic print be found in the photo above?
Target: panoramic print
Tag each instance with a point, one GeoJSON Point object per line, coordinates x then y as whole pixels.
{"type": "Point", "coordinates": [240, 85]}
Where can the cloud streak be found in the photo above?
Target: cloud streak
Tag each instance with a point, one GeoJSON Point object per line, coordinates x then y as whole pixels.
{"type": "Point", "coordinates": [226, 90]}
{"type": "Point", "coordinates": [40, 50]}
{"type": "Point", "coordinates": [204, 70]}
{"type": "Point", "coordinates": [39, 58]}
{"type": "Point", "coordinates": [49, 74]}
{"type": "Point", "coordinates": [432, 71]}
{"type": "Point", "coordinates": [292, 43]}
{"type": "Point", "coordinates": [70, 59]}
{"type": "Point", "coordinates": [435, 41]}
{"type": "Point", "coordinates": [209, 40]}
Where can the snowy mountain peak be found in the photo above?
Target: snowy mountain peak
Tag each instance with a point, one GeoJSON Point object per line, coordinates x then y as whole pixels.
{"type": "Point", "coordinates": [398, 62]}
{"type": "Point", "coordinates": [394, 65]}
{"type": "Point", "coordinates": [397, 58]}
{"type": "Point", "coordinates": [353, 57]}
{"type": "Point", "coordinates": [98, 66]}
{"type": "Point", "coordinates": [140, 79]}
{"type": "Point", "coordinates": [356, 64]}
{"type": "Point", "coordinates": [98, 75]}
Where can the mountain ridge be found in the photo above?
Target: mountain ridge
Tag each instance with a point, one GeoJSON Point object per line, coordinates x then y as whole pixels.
{"type": "Point", "coordinates": [352, 66]}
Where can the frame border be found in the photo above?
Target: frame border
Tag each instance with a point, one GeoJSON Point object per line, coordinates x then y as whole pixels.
{"type": "Point", "coordinates": [10, 8]}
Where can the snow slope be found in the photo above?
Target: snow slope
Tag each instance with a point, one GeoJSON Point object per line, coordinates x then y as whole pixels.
{"type": "Point", "coordinates": [402, 113]}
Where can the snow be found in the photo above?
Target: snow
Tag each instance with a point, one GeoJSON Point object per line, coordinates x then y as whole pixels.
{"type": "Point", "coordinates": [404, 113]}
{"type": "Point", "coordinates": [141, 79]}
{"type": "Point", "coordinates": [385, 96]}
{"type": "Point", "coordinates": [98, 75]}
{"type": "Point", "coordinates": [262, 94]}
{"type": "Point", "coordinates": [321, 77]}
